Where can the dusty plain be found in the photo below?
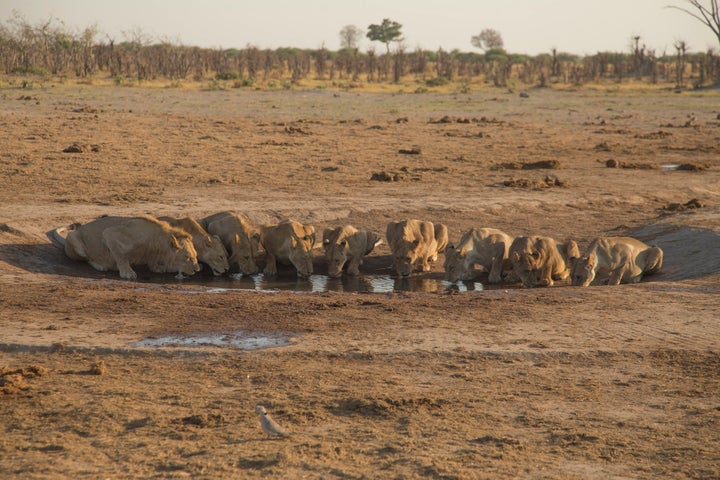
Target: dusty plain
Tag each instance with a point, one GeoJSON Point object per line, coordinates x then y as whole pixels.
{"type": "Point", "coordinates": [561, 382]}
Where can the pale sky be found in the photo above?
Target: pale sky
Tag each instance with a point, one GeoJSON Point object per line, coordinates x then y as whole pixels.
{"type": "Point", "coordinates": [527, 26]}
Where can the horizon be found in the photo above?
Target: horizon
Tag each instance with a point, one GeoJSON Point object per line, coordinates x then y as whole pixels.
{"type": "Point", "coordinates": [528, 27]}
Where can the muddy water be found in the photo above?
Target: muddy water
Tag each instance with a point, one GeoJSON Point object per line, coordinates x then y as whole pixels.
{"type": "Point", "coordinates": [238, 339]}
{"type": "Point", "coordinates": [323, 283]}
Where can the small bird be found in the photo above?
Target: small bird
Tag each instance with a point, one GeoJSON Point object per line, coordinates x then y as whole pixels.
{"type": "Point", "coordinates": [268, 425]}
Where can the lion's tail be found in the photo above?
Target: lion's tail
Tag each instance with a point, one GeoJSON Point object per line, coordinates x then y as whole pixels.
{"type": "Point", "coordinates": [57, 235]}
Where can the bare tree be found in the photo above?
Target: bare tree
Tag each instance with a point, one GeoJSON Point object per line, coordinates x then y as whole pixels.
{"type": "Point", "coordinates": [709, 16]}
{"type": "Point", "coordinates": [487, 40]}
{"type": "Point", "coordinates": [682, 48]}
{"type": "Point", "coordinates": [350, 36]}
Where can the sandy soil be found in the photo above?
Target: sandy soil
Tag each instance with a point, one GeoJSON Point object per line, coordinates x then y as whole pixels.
{"type": "Point", "coordinates": [561, 382]}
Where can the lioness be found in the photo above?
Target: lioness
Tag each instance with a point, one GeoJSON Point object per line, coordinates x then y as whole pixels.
{"type": "Point", "coordinates": [540, 260]}
{"type": "Point", "coordinates": [617, 260]}
{"type": "Point", "coordinates": [239, 237]}
{"type": "Point", "coordinates": [347, 245]}
{"type": "Point", "coordinates": [415, 243]}
{"type": "Point", "coordinates": [486, 247]}
{"type": "Point", "coordinates": [209, 248]}
{"type": "Point", "coordinates": [288, 242]}
{"type": "Point", "coordinates": [117, 243]}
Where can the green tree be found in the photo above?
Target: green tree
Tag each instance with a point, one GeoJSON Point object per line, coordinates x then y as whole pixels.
{"type": "Point", "coordinates": [388, 31]}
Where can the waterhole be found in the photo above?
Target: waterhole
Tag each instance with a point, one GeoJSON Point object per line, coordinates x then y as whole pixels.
{"type": "Point", "coordinates": [242, 340]}
{"type": "Point", "coordinates": [323, 283]}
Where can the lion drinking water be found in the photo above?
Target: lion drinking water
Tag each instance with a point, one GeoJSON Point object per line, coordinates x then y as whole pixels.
{"type": "Point", "coordinates": [616, 260]}
{"type": "Point", "coordinates": [117, 243]}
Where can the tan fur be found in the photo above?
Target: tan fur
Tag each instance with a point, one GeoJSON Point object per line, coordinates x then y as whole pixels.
{"type": "Point", "coordinates": [540, 260]}
{"type": "Point", "coordinates": [415, 243]}
{"type": "Point", "coordinates": [240, 238]}
{"type": "Point", "coordinates": [347, 245]}
{"type": "Point", "coordinates": [209, 248]}
{"type": "Point", "coordinates": [117, 243]}
{"type": "Point", "coordinates": [486, 247]}
{"type": "Point", "coordinates": [288, 242]}
{"type": "Point", "coordinates": [617, 260]}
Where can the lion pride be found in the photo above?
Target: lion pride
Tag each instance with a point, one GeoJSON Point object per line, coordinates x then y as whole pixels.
{"type": "Point", "coordinates": [240, 238]}
{"type": "Point", "coordinates": [210, 249]}
{"type": "Point", "coordinates": [118, 243]}
{"type": "Point", "coordinates": [540, 260]}
{"type": "Point", "coordinates": [288, 242]}
{"type": "Point", "coordinates": [616, 260]}
{"type": "Point", "coordinates": [414, 244]}
{"type": "Point", "coordinates": [347, 246]}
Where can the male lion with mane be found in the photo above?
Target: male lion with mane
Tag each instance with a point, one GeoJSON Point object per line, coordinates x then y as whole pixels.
{"type": "Point", "coordinates": [616, 260]}
{"type": "Point", "coordinates": [487, 247]}
{"type": "Point", "coordinates": [540, 260]}
{"type": "Point", "coordinates": [347, 245]}
{"type": "Point", "coordinates": [414, 244]}
{"type": "Point", "coordinates": [117, 243]}
{"type": "Point", "coordinates": [210, 249]}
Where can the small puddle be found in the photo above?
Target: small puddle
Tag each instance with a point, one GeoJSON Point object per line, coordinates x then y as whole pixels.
{"type": "Point", "coordinates": [669, 167]}
{"type": "Point", "coordinates": [239, 340]}
{"type": "Point", "coordinates": [323, 283]}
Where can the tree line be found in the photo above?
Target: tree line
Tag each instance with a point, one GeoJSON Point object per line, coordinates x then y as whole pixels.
{"type": "Point", "coordinates": [50, 50]}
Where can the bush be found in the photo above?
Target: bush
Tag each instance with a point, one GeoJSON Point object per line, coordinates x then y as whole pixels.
{"type": "Point", "coordinates": [226, 76]}
{"type": "Point", "coordinates": [436, 82]}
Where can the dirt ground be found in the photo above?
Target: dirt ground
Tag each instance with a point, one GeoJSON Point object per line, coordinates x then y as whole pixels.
{"type": "Point", "coordinates": [561, 382]}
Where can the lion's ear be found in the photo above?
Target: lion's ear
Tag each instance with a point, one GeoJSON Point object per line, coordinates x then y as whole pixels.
{"type": "Point", "coordinates": [175, 243]}
{"type": "Point", "coordinates": [416, 242]}
{"type": "Point", "coordinates": [592, 259]}
{"type": "Point", "coordinates": [516, 256]}
{"type": "Point", "coordinates": [236, 240]}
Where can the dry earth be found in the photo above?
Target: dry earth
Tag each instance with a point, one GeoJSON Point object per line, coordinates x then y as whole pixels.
{"type": "Point", "coordinates": [561, 382]}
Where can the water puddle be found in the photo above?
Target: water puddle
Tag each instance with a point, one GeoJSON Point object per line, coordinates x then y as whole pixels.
{"type": "Point", "coordinates": [669, 167]}
{"type": "Point", "coordinates": [323, 283]}
{"type": "Point", "coordinates": [239, 340]}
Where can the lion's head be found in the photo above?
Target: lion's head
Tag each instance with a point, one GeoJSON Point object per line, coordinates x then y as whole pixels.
{"type": "Point", "coordinates": [213, 254]}
{"type": "Point", "coordinates": [406, 253]}
{"type": "Point", "coordinates": [525, 265]}
{"type": "Point", "coordinates": [456, 268]}
{"type": "Point", "coordinates": [301, 245]}
{"type": "Point", "coordinates": [182, 257]}
{"type": "Point", "coordinates": [583, 272]}
{"type": "Point", "coordinates": [336, 247]}
{"type": "Point", "coordinates": [244, 252]}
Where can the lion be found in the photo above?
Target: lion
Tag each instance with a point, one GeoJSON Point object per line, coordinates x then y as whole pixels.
{"type": "Point", "coordinates": [487, 247]}
{"type": "Point", "coordinates": [239, 237]}
{"type": "Point", "coordinates": [210, 249]}
{"type": "Point", "coordinates": [616, 260]}
{"type": "Point", "coordinates": [347, 246]}
{"type": "Point", "coordinates": [540, 260]}
{"type": "Point", "coordinates": [414, 244]}
{"type": "Point", "coordinates": [118, 243]}
{"type": "Point", "coordinates": [288, 242]}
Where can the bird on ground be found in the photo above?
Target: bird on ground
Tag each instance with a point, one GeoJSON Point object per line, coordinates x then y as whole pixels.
{"type": "Point", "coordinates": [268, 425]}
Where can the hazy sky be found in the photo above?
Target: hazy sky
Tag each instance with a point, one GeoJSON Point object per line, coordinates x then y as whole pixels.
{"type": "Point", "coordinates": [527, 26]}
